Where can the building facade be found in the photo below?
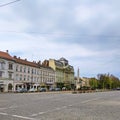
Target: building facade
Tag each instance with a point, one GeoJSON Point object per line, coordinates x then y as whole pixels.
{"type": "Point", "coordinates": [64, 72]}
{"type": "Point", "coordinates": [6, 72]}
{"type": "Point", "coordinates": [82, 82]}
{"type": "Point", "coordinates": [19, 73]}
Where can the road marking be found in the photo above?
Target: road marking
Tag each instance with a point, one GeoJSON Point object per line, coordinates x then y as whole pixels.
{"type": "Point", "coordinates": [3, 114]}
{"type": "Point", "coordinates": [64, 107]}
{"type": "Point", "coordinates": [40, 113]}
{"type": "Point", "coordinates": [57, 108]}
{"type": "Point", "coordinates": [33, 115]}
{"type": "Point", "coordinates": [13, 106]}
{"type": "Point", "coordinates": [86, 101]}
{"type": "Point", "coordinates": [70, 105]}
{"type": "Point", "coordinates": [17, 116]}
{"type": "Point", "coordinates": [3, 108]}
{"type": "Point", "coordinates": [27, 118]}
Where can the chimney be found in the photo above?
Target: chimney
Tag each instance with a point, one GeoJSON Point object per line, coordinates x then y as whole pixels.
{"type": "Point", "coordinates": [39, 62]}
{"type": "Point", "coordinates": [7, 51]}
{"type": "Point", "coordinates": [15, 56]}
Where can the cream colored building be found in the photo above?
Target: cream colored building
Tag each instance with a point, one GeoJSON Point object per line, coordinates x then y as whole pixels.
{"type": "Point", "coordinates": [6, 72]}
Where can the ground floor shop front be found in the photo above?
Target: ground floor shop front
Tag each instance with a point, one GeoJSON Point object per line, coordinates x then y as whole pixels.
{"type": "Point", "coordinates": [13, 86]}
{"type": "Point", "coordinates": [6, 85]}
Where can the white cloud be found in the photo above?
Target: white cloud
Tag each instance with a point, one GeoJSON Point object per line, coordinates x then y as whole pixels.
{"type": "Point", "coordinates": [57, 27]}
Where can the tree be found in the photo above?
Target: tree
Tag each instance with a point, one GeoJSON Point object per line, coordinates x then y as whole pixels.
{"type": "Point", "coordinates": [107, 81]}
{"type": "Point", "coordinates": [93, 83]}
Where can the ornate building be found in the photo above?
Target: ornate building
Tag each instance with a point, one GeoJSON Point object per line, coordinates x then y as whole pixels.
{"type": "Point", "coordinates": [64, 71]}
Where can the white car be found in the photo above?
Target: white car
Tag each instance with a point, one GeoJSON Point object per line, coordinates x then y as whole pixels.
{"type": "Point", "coordinates": [32, 90]}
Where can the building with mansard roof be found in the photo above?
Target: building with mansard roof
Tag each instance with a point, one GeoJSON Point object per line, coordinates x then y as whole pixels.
{"type": "Point", "coordinates": [64, 72]}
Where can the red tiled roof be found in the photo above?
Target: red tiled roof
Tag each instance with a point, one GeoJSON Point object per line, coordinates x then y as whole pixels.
{"type": "Point", "coordinates": [5, 55]}
{"type": "Point", "coordinates": [25, 62]}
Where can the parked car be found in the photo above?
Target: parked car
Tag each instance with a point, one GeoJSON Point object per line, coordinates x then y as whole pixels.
{"type": "Point", "coordinates": [52, 89]}
{"type": "Point", "coordinates": [57, 89]}
{"type": "Point", "coordinates": [42, 90]}
{"type": "Point", "coordinates": [21, 90]}
{"type": "Point", "coordinates": [33, 90]}
{"type": "Point", "coordinates": [64, 88]}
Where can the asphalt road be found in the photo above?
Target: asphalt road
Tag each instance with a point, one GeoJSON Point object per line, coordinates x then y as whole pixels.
{"type": "Point", "coordinates": [60, 106]}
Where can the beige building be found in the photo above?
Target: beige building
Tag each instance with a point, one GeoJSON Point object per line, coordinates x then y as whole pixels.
{"type": "Point", "coordinates": [82, 82]}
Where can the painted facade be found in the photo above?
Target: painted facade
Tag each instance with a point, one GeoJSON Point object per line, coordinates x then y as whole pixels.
{"type": "Point", "coordinates": [64, 71]}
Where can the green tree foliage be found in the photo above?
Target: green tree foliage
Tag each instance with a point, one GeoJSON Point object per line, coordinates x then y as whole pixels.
{"type": "Point", "coordinates": [107, 81]}
{"type": "Point", "coordinates": [60, 85]}
{"type": "Point", "coordinates": [93, 83]}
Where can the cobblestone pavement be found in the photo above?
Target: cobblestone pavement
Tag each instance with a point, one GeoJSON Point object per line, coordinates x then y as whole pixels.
{"type": "Point", "coordinates": [60, 106]}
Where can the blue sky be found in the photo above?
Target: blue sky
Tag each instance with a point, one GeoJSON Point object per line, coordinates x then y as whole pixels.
{"type": "Point", "coordinates": [86, 32]}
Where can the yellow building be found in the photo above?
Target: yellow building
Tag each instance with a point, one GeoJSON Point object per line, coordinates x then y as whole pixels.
{"type": "Point", "coordinates": [64, 71]}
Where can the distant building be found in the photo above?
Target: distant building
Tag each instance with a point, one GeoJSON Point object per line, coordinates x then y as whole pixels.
{"type": "Point", "coordinates": [64, 72]}
{"type": "Point", "coordinates": [82, 82]}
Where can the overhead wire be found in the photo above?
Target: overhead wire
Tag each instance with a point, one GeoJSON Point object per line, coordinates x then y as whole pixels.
{"type": "Point", "coordinates": [5, 4]}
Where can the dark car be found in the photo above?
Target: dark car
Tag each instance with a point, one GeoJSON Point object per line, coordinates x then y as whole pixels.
{"type": "Point", "coordinates": [57, 89]}
{"type": "Point", "coordinates": [21, 90]}
{"type": "Point", "coordinates": [43, 90]}
{"type": "Point", "coordinates": [52, 89]}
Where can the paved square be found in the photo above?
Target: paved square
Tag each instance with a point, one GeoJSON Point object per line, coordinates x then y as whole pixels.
{"type": "Point", "coordinates": [60, 106]}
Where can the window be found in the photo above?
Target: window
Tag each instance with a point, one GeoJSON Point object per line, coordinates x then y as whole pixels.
{"type": "Point", "coordinates": [37, 79]}
{"type": "Point", "coordinates": [28, 78]}
{"type": "Point", "coordinates": [32, 71]}
{"type": "Point", "coordinates": [35, 71]}
{"type": "Point", "coordinates": [34, 79]}
{"type": "Point", "coordinates": [17, 77]}
{"type": "Point", "coordinates": [20, 77]}
{"type": "Point", "coordinates": [28, 70]}
{"type": "Point", "coordinates": [24, 69]}
{"type": "Point", "coordinates": [0, 73]}
{"type": "Point", "coordinates": [10, 75]}
{"type": "Point", "coordinates": [24, 77]}
{"type": "Point", "coordinates": [10, 66]}
{"type": "Point", "coordinates": [2, 65]}
{"type": "Point", "coordinates": [20, 68]}
{"type": "Point", "coordinates": [17, 68]}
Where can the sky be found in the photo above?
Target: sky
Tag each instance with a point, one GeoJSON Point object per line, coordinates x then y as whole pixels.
{"type": "Point", "coordinates": [85, 32]}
